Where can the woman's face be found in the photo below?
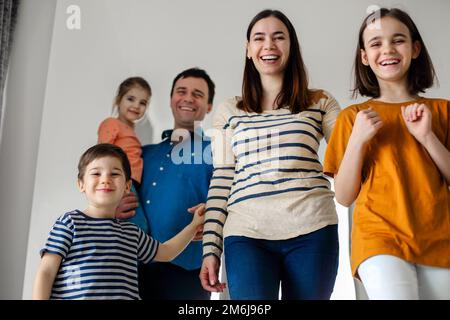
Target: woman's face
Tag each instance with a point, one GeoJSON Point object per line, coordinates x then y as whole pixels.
{"type": "Point", "coordinates": [269, 46]}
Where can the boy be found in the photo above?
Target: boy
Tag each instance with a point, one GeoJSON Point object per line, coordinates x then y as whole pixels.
{"type": "Point", "coordinates": [92, 255]}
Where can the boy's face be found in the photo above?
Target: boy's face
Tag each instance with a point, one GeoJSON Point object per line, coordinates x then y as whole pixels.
{"type": "Point", "coordinates": [104, 183]}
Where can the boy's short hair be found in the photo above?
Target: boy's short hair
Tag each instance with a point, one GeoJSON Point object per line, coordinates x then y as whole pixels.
{"type": "Point", "coordinates": [104, 150]}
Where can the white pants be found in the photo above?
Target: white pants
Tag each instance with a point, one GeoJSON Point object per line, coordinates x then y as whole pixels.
{"type": "Point", "coordinates": [386, 277]}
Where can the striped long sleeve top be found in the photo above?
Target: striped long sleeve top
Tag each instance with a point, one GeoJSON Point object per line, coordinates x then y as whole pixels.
{"type": "Point", "coordinates": [268, 182]}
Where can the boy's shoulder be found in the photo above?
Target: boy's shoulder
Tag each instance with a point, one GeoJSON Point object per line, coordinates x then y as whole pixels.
{"type": "Point", "coordinates": [71, 215]}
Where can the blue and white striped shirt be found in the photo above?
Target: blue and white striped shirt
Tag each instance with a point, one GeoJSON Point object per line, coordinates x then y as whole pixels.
{"type": "Point", "coordinates": [99, 257]}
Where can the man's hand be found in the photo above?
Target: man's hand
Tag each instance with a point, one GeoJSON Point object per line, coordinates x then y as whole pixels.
{"type": "Point", "coordinates": [126, 207]}
{"type": "Point", "coordinates": [199, 233]}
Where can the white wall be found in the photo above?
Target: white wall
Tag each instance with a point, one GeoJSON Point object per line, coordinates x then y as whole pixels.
{"type": "Point", "coordinates": [158, 39]}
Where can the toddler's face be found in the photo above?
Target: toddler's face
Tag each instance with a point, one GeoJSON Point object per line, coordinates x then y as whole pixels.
{"type": "Point", "coordinates": [133, 104]}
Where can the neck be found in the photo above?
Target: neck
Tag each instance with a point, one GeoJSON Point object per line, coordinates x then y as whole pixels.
{"type": "Point", "coordinates": [127, 122]}
{"type": "Point", "coordinates": [271, 86]}
{"type": "Point", "coordinates": [101, 212]}
{"type": "Point", "coordinates": [395, 91]}
{"type": "Point", "coordinates": [189, 127]}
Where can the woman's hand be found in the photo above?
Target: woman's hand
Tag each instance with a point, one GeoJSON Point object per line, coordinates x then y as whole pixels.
{"type": "Point", "coordinates": [209, 274]}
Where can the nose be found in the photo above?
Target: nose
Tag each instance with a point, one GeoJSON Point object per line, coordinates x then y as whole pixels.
{"type": "Point", "coordinates": [388, 48]}
{"type": "Point", "coordinates": [268, 44]}
{"type": "Point", "coordinates": [189, 97]}
{"type": "Point", "coordinates": [105, 179]}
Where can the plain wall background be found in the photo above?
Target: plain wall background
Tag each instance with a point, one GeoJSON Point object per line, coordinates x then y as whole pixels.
{"type": "Point", "coordinates": [62, 83]}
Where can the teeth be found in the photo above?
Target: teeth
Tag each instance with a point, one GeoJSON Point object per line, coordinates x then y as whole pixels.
{"type": "Point", "coordinates": [269, 57]}
{"type": "Point", "coordinates": [389, 62]}
{"type": "Point", "coordinates": [187, 109]}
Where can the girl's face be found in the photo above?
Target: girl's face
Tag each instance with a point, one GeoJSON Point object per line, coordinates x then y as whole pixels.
{"type": "Point", "coordinates": [269, 46]}
{"type": "Point", "coordinates": [388, 49]}
{"type": "Point", "coordinates": [133, 104]}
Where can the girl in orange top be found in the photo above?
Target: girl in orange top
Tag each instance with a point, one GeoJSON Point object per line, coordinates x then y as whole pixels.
{"type": "Point", "coordinates": [131, 101]}
{"type": "Point", "coordinates": [391, 154]}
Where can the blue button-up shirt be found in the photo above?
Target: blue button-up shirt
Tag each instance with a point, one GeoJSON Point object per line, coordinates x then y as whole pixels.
{"type": "Point", "coordinates": [175, 177]}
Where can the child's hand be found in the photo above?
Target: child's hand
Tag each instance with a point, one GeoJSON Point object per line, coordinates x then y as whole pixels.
{"type": "Point", "coordinates": [199, 216]}
{"type": "Point", "coordinates": [199, 232]}
{"type": "Point", "coordinates": [417, 118]}
{"type": "Point", "coordinates": [367, 124]}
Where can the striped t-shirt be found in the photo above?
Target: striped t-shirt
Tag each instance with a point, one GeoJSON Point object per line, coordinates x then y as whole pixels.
{"type": "Point", "coordinates": [99, 257]}
{"type": "Point", "coordinates": [268, 182]}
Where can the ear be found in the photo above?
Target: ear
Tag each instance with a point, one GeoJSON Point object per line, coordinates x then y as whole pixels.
{"type": "Point", "coordinates": [128, 186]}
{"type": "Point", "coordinates": [209, 108]}
{"type": "Point", "coordinates": [417, 47]}
{"type": "Point", "coordinates": [80, 185]}
{"type": "Point", "coordinates": [364, 59]}
{"type": "Point", "coordinates": [247, 48]}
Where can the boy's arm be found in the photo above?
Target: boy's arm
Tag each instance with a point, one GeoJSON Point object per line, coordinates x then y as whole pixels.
{"type": "Point", "coordinates": [168, 250]}
{"type": "Point", "coordinates": [45, 276]}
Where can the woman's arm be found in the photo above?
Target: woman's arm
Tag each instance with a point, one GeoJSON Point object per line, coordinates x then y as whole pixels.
{"type": "Point", "coordinates": [45, 276]}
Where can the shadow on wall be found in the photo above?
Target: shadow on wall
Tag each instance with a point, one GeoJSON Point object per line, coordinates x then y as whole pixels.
{"type": "Point", "coordinates": [144, 131]}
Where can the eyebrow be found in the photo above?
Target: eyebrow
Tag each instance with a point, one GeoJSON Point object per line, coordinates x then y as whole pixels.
{"type": "Point", "coordinates": [263, 33]}
{"type": "Point", "coordinates": [394, 35]}
{"type": "Point", "coordinates": [98, 168]}
{"type": "Point", "coordinates": [199, 92]}
{"type": "Point", "coordinates": [133, 96]}
{"type": "Point", "coordinates": [195, 90]}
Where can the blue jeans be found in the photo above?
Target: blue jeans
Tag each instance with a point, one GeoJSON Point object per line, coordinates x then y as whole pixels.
{"type": "Point", "coordinates": [306, 266]}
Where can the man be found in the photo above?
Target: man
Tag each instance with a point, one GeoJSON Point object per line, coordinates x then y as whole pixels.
{"type": "Point", "coordinates": [176, 177]}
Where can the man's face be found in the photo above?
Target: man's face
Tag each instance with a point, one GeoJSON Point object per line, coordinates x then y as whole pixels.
{"type": "Point", "coordinates": [189, 102]}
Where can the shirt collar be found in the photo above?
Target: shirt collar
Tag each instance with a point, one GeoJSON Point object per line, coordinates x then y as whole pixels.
{"type": "Point", "coordinates": [168, 133]}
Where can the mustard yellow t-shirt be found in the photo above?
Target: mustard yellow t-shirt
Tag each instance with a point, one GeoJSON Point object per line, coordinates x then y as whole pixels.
{"type": "Point", "coordinates": [403, 207]}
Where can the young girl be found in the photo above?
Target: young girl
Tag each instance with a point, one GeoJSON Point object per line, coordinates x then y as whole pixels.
{"type": "Point", "coordinates": [269, 205]}
{"type": "Point", "coordinates": [91, 255]}
{"type": "Point", "coordinates": [132, 99]}
{"type": "Point", "coordinates": [391, 154]}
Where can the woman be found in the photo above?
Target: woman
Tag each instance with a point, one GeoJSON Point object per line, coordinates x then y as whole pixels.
{"type": "Point", "coordinates": [268, 198]}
